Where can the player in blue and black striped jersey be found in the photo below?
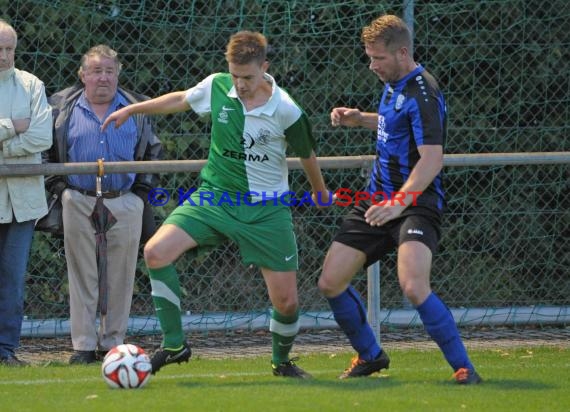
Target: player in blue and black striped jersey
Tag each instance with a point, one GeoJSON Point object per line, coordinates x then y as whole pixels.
{"type": "Point", "coordinates": [406, 200]}
{"type": "Point", "coordinates": [411, 114]}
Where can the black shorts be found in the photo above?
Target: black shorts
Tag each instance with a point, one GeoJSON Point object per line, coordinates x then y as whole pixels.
{"type": "Point", "coordinates": [377, 241]}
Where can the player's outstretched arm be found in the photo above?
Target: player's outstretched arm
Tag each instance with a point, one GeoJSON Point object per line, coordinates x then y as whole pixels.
{"type": "Point", "coordinates": [165, 104]}
{"type": "Point", "coordinates": [345, 116]}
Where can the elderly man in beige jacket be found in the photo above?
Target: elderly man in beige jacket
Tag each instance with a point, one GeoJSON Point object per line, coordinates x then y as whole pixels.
{"type": "Point", "coordinates": [25, 131]}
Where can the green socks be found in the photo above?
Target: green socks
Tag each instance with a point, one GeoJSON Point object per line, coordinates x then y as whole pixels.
{"type": "Point", "coordinates": [166, 298]}
{"type": "Point", "coordinates": [283, 329]}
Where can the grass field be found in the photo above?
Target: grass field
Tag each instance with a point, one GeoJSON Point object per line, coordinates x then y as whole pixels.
{"type": "Point", "coordinates": [534, 379]}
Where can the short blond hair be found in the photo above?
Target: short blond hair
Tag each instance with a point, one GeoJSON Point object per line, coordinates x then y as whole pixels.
{"type": "Point", "coordinates": [389, 29]}
{"type": "Point", "coordinates": [245, 47]}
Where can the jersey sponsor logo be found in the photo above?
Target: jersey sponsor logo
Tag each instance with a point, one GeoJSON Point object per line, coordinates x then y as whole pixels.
{"type": "Point", "coordinates": [250, 157]}
{"type": "Point", "coordinates": [227, 109]}
{"type": "Point", "coordinates": [248, 141]}
{"type": "Point", "coordinates": [288, 258]}
{"type": "Point", "coordinates": [262, 138]}
{"type": "Point", "coordinates": [415, 232]}
{"type": "Point", "coordinates": [382, 134]}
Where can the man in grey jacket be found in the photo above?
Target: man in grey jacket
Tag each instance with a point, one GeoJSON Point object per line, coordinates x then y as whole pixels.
{"type": "Point", "coordinates": [25, 131]}
{"type": "Point", "coordinates": [78, 114]}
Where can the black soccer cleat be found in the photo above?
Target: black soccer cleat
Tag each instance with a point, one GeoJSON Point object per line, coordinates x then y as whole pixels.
{"type": "Point", "coordinates": [360, 367]}
{"type": "Point", "coordinates": [464, 376]}
{"type": "Point", "coordinates": [164, 357]}
{"type": "Point", "coordinates": [288, 369]}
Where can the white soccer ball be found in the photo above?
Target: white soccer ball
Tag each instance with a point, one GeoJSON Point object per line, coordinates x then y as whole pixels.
{"type": "Point", "coordinates": [126, 366]}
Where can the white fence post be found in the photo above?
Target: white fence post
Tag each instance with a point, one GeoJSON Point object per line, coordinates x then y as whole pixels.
{"type": "Point", "coordinates": [373, 273]}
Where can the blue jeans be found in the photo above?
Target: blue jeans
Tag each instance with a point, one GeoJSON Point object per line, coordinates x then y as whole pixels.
{"type": "Point", "coordinates": [15, 243]}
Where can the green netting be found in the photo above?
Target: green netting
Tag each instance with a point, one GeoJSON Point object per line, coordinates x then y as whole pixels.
{"type": "Point", "coordinates": [504, 66]}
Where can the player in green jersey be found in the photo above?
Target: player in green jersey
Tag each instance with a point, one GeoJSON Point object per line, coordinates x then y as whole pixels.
{"type": "Point", "coordinates": [253, 122]}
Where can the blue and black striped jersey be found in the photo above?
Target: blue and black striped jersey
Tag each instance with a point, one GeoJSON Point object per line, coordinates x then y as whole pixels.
{"type": "Point", "coordinates": [411, 113]}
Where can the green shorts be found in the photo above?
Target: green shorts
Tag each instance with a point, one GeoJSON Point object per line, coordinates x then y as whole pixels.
{"type": "Point", "coordinates": [264, 233]}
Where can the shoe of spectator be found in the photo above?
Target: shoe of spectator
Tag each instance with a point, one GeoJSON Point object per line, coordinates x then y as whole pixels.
{"type": "Point", "coordinates": [13, 361]}
{"type": "Point", "coordinates": [83, 357]}
{"type": "Point", "coordinates": [100, 354]}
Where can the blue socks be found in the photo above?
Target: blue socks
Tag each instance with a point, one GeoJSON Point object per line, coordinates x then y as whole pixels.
{"type": "Point", "coordinates": [439, 324]}
{"type": "Point", "coordinates": [350, 314]}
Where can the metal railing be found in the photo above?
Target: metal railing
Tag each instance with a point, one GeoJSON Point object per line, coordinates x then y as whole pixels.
{"type": "Point", "coordinates": [332, 162]}
{"type": "Point", "coordinates": [401, 317]}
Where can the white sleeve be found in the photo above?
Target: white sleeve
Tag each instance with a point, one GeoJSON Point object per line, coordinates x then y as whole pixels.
{"type": "Point", "coordinates": [199, 96]}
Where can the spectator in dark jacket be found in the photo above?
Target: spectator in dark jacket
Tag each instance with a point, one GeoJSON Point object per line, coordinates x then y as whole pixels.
{"type": "Point", "coordinates": [78, 114]}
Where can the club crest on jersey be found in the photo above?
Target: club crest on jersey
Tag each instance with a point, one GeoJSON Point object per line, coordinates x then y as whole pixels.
{"type": "Point", "coordinates": [263, 137]}
{"type": "Point", "coordinates": [400, 102]}
{"type": "Point", "coordinates": [223, 117]}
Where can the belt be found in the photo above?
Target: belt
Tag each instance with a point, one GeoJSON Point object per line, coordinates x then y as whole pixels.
{"type": "Point", "coordinates": [104, 195]}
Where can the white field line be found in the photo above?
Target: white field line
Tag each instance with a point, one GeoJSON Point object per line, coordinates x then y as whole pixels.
{"type": "Point", "coordinates": [163, 377]}
{"type": "Point", "coordinates": [444, 368]}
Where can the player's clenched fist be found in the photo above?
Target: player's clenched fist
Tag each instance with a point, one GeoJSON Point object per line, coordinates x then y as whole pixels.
{"type": "Point", "coordinates": [344, 116]}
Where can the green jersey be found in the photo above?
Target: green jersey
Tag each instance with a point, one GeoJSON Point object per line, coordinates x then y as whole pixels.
{"type": "Point", "coordinates": [247, 151]}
